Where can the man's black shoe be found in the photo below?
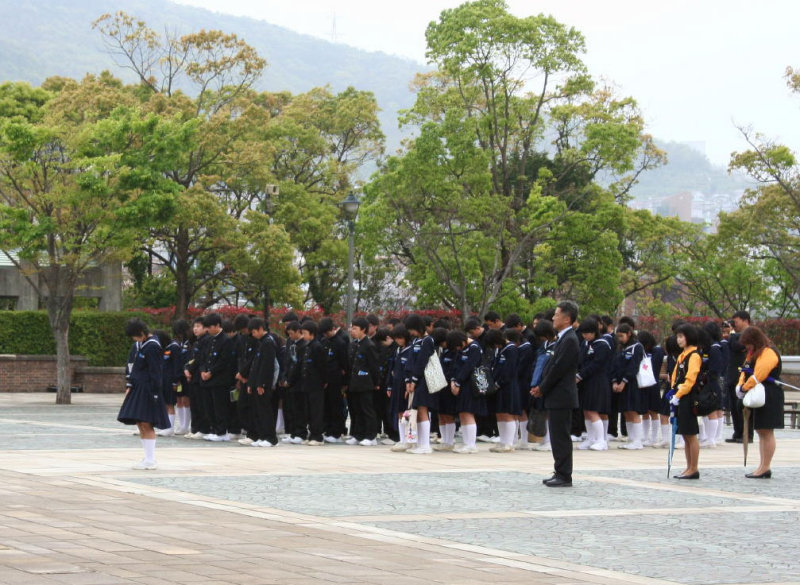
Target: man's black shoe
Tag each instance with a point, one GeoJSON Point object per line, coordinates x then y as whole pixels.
{"type": "Point", "coordinates": [558, 482]}
{"type": "Point", "coordinates": [733, 440]}
{"type": "Point", "coordinates": [551, 478]}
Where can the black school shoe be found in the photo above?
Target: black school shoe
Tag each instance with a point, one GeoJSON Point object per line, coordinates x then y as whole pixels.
{"type": "Point", "coordinates": [558, 482]}
{"type": "Point", "coordinates": [695, 475]}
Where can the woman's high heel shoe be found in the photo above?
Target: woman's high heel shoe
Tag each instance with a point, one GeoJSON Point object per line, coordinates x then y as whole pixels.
{"type": "Point", "coordinates": [766, 475]}
{"type": "Point", "coordinates": [695, 475]}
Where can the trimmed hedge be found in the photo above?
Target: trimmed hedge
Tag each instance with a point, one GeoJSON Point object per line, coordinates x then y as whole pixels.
{"type": "Point", "coordinates": [96, 335]}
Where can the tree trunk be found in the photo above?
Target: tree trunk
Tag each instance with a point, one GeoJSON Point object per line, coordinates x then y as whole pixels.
{"type": "Point", "coordinates": [267, 305]}
{"type": "Point", "coordinates": [182, 274]}
{"type": "Point", "coordinates": [59, 310]}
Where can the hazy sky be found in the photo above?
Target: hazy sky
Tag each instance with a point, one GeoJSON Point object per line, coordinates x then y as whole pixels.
{"type": "Point", "coordinates": [697, 67]}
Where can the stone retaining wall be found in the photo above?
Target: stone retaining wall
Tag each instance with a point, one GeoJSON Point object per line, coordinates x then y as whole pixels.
{"type": "Point", "coordinates": [35, 373]}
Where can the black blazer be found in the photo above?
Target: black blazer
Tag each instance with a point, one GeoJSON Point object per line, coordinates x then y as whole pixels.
{"type": "Point", "coordinates": [262, 365]}
{"type": "Point", "coordinates": [558, 379]}
{"type": "Point", "coordinates": [219, 358]}
{"type": "Point", "coordinates": [364, 367]}
{"type": "Point", "coordinates": [313, 367]}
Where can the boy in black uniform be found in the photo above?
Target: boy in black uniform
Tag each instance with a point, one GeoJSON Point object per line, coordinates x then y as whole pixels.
{"type": "Point", "coordinates": [217, 376]}
{"type": "Point", "coordinates": [244, 345]}
{"type": "Point", "coordinates": [312, 385]}
{"type": "Point", "coordinates": [290, 375]}
{"type": "Point", "coordinates": [335, 343]}
{"type": "Point", "coordinates": [201, 422]}
{"type": "Point", "coordinates": [364, 381]}
{"type": "Point", "coordinates": [261, 387]}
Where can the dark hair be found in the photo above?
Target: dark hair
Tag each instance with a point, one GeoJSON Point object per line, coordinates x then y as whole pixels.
{"type": "Point", "coordinates": [163, 337]}
{"type": "Point", "coordinates": [589, 325]}
{"type": "Point", "coordinates": [513, 335]}
{"type": "Point", "coordinates": [227, 326]}
{"type": "Point", "coordinates": [289, 317]}
{"type": "Point", "coordinates": [703, 340]}
{"type": "Point", "coordinates": [713, 330]}
{"type": "Point", "coordinates": [513, 320]}
{"type": "Point", "coordinates": [394, 321]}
{"type": "Point", "coordinates": [427, 320]}
{"type": "Point", "coordinates": [382, 334]}
{"type": "Point", "coordinates": [325, 324]}
{"type": "Point", "coordinates": [181, 330]}
{"type": "Point", "coordinates": [212, 319]}
{"type": "Point", "coordinates": [549, 314]}
{"type": "Point", "coordinates": [256, 323]}
{"type": "Point", "coordinates": [494, 338]}
{"type": "Point", "coordinates": [310, 326]}
{"type": "Point", "coordinates": [537, 316]}
{"type": "Point", "coordinates": [399, 331]}
{"type": "Point", "coordinates": [606, 320]}
{"type": "Point", "coordinates": [201, 320]}
{"type": "Point", "coordinates": [444, 323]}
{"type": "Point", "coordinates": [754, 336]}
{"type": "Point", "coordinates": [647, 340]}
{"type": "Point", "coordinates": [544, 328]}
{"type": "Point", "coordinates": [626, 328]}
{"type": "Point", "coordinates": [414, 322]}
{"type": "Point", "coordinates": [570, 308]}
{"type": "Point", "coordinates": [293, 326]}
{"type": "Point", "coordinates": [671, 346]}
{"type": "Point", "coordinates": [472, 323]}
{"type": "Point", "coordinates": [455, 339]}
{"type": "Point", "coordinates": [136, 327]}
{"type": "Point", "coordinates": [373, 320]}
{"type": "Point", "coordinates": [439, 334]}
{"type": "Point", "coordinates": [492, 316]}
{"type": "Point", "coordinates": [743, 315]}
{"type": "Point", "coordinates": [677, 323]}
{"type": "Point", "coordinates": [689, 332]}
{"type": "Point", "coordinates": [241, 322]}
{"type": "Point", "coordinates": [629, 321]}
{"type": "Point", "coordinates": [361, 323]}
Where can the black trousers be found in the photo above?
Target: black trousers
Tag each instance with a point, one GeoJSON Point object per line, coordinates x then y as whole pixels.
{"type": "Point", "coordinates": [245, 408]}
{"type": "Point", "coordinates": [263, 416]}
{"type": "Point", "coordinates": [362, 415]}
{"type": "Point", "coordinates": [559, 421]}
{"type": "Point", "coordinates": [334, 411]}
{"type": "Point", "coordinates": [293, 413]}
{"type": "Point", "coordinates": [311, 408]}
{"type": "Point", "coordinates": [198, 406]}
{"type": "Point", "coordinates": [220, 408]}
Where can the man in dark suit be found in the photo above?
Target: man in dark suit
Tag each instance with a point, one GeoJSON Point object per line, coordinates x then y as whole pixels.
{"type": "Point", "coordinates": [560, 392]}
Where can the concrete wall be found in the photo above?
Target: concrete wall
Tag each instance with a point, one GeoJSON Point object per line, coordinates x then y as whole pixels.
{"type": "Point", "coordinates": [104, 282]}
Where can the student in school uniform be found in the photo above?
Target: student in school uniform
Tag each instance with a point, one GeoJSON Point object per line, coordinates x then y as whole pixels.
{"type": "Point", "coordinates": [200, 418]}
{"type": "Point", "coordinates": [684, 391]}
{"type": "Point", "coordinates": [422, 348]}
{"type": "Point", "coordinates": [546, 337]}
{"type": "Point", "coordinates": [398, 397]}
{"type": "Point", "coordinates": [446, 400]}
{"type": "Point", "coordinates": [713, 369]}
{"type": "Point", "coordinates": [292, 399]}
{"type": "Point", "coordinates": [487, 424]}
{"type": "Point", "coordinates": [468, 406]}
{"type": "Point", "coordinates": [624, 368]}
{"type": "Point", "coordinates": [505, 402]}
{"type": "Point", "coordinates": [335, 343]}
{"type": "Point", "coordinates": [312, 385]}
{"type": "Point", "coordinates": [143, 405]}
{"type": "Point", "coordinates": [171, 376]}
{"type": "Point", "coordinates": [260, 387]}
{"type": "Point", "coordinates": [651, 395]}
{"type": "Point", "coordinates": [182, 334]}
{"type": "Point", "coordinates": [384, 423]}
{"type": "Point", "coordinates": [594, 393]}
{"type": "Point", "coordinates": [364, 382]}
{"type": "Point", "coordinates": [524, 373]}
{"type": "Point", "coordinates": [217, 373]}
{"type": "Point", "coordinates": [244, 345]}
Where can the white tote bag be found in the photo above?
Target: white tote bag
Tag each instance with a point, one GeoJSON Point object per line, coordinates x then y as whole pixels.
{"type": "Point", "coordinates": [755, 397]}
{"type": "Point", "coordinates": [434, 375]}
{"type": "Point", "coordinates": [645, 377]}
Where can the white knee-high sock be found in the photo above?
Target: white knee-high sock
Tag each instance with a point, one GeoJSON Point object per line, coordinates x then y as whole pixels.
{"type": "Point", "coordinates": [403, 430]}
{"type": "Point", "coordinates": [654, 430]}
{"type": "Point", "coordinates": [666, 433]}
{"type": "Point", "coordinates": [507, 431]}
{"type": "Point", "coordinates": [720, 425]}
{"type": "Point", "coordinates": [703, 422]}
{"type": "Point", "coordinates": [469, 434]}
{"type": "Point", "coordinates": [598, 433]}
{"type": "Point", "coordinates": [187, 418]}
{"type": "Point", "coordinates": [635, 432]}
{"type": "Point", "coordinates": [523, 434]}
{"type": "Point", "coordinates": [605, 428]}
{"type": "Point", "coordinates": [448, 433]}
{"type": "Point", "coordinates": [711, 430]}
{"type": "Point", "coordinates": [171, 420]}
{"type": "Point", "coordinates": [546, 440]}
{"type": "Point", "coordinates": [279, 424]}
{"type": "Point", "coordinates": [149, 446]}
{"type": "Point", "coordinates": [645, 428]}
{"type": "Point", "coordinates": [424, 433]}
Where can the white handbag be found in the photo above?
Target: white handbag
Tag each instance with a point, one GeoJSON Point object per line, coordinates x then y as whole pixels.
{"type": "Point", "coordinates": [645, 377]}
{"type": "Point", "coordinates": [434, 375]}
{"type": "Point", "coordinates": [755, 397]}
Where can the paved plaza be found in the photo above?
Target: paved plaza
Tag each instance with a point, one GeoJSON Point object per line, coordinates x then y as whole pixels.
{"type": "Point", "coordinates": [74, 513]}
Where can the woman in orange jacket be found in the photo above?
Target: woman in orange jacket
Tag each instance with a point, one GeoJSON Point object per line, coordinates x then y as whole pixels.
{"type": "Point", "coordinates": [684, 382]}
{"type": "Point", "coordinates": [762, 365]}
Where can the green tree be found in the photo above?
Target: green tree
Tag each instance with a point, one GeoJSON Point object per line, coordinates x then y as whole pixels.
{"type": "Point", "coordinates": [81, 179]}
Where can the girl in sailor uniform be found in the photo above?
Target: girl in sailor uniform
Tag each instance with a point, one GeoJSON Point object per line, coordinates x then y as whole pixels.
{"type": "Point", "coordinates": [144, 402]}
{"type": "Point", "coordinates": [468, 405]}
{"type": "Point", "coordinates": [593, 389]}
{"type": "Point", "coordinates": [506, 401]}
{"type": "Point", "coordinates": [624, 368]}
{"type": "Point", "coordinates": [525, 355]}
{"type": "Point", "coordinates": [447, 400]}
{"type": "Point", "coordinates": [398, 398]}
{"type": "Point", "coordinates": [422, 348]}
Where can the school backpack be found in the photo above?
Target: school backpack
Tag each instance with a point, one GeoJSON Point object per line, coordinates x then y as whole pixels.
{"type": "Point", "coordinates": [483, 384]}
{"type": "Point", "coordinates": [708, 398]}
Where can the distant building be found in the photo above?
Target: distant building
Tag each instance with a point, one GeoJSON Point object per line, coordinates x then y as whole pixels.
{"type": "Point", "coordinates": [100, 289]}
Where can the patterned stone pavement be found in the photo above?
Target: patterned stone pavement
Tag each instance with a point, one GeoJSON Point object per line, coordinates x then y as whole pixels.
{"type": "Point", "coordinates": [74, 513]}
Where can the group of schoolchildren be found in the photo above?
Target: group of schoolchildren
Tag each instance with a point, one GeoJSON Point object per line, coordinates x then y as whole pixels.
{"type": "Point", "coordinates": [223, 381]}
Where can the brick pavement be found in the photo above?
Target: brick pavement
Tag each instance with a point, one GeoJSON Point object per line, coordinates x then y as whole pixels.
{"type": "Point", "coordinates": [74, 513]}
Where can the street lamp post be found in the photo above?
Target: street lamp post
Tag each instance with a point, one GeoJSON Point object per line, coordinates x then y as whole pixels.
{"type": "Point", "coordinates": [350, 209]}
